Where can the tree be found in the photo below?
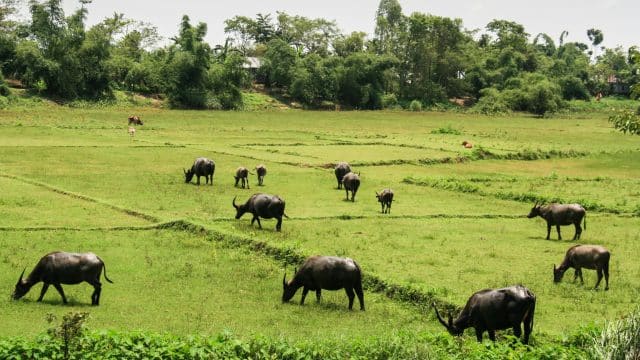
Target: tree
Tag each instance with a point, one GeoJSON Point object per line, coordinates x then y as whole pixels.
{"type": "Point", "coordinates": [596, 37]}
{"type": "Point", "coordinates": [186, 70]}
{"type": "Point", "coordinates": [389, 26]}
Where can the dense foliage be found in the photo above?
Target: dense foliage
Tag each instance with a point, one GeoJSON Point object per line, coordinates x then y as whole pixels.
{"type": "Point", "coordinates": [418, 57]}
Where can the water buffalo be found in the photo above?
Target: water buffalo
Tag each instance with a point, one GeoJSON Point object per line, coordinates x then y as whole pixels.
{"type": "Point", "coordinates": [325, 272]}
{"type": "Point", "coordinates": [342, 168]}
{"type": "Point", "coordinates": [560, 214]}
{"type": "Point", "coordinates": [261, 170]}
{"type": "Point", "coordinates": [242, 173]}
{"type": "Point", "coordinates": [135, 120]}
{"type": "Point", "coordinates": [495, 309]}
{"type": "Point", "coordinates": [64, 268]}
{"type": "Point", "coordinates": [201, 167]}
{"type": "Point", "coordinates": [351, 182]}
{"type": "Point", "coordinates": [385, 198]}
{"type": "Point", "coordinates": [584, 256]}
{"type": "Point", "coordinates": [262, 206]}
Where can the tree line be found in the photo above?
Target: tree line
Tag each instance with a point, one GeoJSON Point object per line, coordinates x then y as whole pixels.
{"type": "Point", "coordinates": [410, 61]}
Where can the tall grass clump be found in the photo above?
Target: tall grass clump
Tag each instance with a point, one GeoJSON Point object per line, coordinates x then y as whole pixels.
{"type": "Point", "coordinates": [619, 340]}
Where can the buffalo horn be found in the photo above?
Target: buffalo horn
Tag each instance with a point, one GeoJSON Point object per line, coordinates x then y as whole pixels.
{"type": "Point", "coordinates": [234, 202]}
{"type": "Point", "coordinates": [20, 279]}
{"type": "Point", "coordinates": [439, 317]}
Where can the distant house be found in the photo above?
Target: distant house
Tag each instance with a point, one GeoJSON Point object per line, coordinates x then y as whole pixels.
{"type": "Point", "coordinates": [616, 86]}
{"type": "Point", "coordinates": [252, 64]}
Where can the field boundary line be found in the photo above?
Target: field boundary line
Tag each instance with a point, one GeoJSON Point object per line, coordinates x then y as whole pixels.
{"type": "Point", "coordinates": [511, 196]}
{"type": "Point", "coordinates": [57, 190]}
{"type": "Point", "coordinates": [72, 228]}
{"type": "Point", "coordinates": [290, 256]}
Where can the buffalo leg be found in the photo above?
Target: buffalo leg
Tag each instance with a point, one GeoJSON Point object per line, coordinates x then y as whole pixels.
{"type": "Point", "coordinates": [606, 276]}
{"type": "Point", "coordinates": [351, 296]}
{"type": "Point", "coordinates": [558, 229]}
{"type": "Point", "coordinates": [346, 191]}
{"type": "Point", "coordinates": [353, 195]}
{"type": "Point", "coordinates": [548, 231]}
{"type": "Point", "coordinates": [236, 184]}
{"type": "Point", "coordinates": [517, 331]}
{"type": "Point", "coordinates": [492, 335]}
{"type": "Point", "coordinates": [59, 288]}
{"type": "Point", "coordinates": [578, 232]}
{"type": "Point", "coordinates": [304, 295]}
{"type": "Point", "coordinates": [358, 289]}
{"type": "Point", "coordinates": [479, 334]}
{"type": "Point", "coordinates": [254, 219]}
{"type": "Point", "coordinates": [576, 274]}
{"type": "Point", "coordinates": [198, 181]}
{"type": "Point", "coordinates": [579, 273]}
{"type": "Point", "coordinates": [45, 286]}
{"type": "Point", "coordinates": [599, 277]}
{"type": "Point", "coordinates": [389, 208]}
{"type": "Point", "coordinates": [247, 181]}
{"type": "Point", "coordinates": [318, 293]}
{"type": "Point", "coordinates": [97, 289]}
{"type": "Point", "coordinates": [279, 224]}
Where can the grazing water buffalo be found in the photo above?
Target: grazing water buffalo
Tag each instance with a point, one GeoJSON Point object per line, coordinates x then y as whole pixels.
{"type": "Point", "coordinates": [135, 120]}
{"type": "Point", "coordinates": [261, 170]}
{"type": "Point", "coordinates": [242, 173]}
{"type": "Point", "coordinates": [325, 272]}
{"type": "Point", "coordinates": [351, 182]}
{"type": "Point", "coordinates": [64, 268]}
{"type": "Point", "coordinates": [342, 168]}
{"type": "Point", "coordinates": [560, 214]}
{"type": "Point", "coordinates": [385, 198]}
{"type": "Point", "coordinates": [201, 167]}
{"type": "Point", "coordinates": [262, 206]}
{"type": "Point", "coordinates": [495, 309]}
{"type": "Point", "coordinates": [584, 256]}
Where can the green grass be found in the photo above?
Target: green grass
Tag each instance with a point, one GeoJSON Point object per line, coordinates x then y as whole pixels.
{"type": "Point", "coordinates": [74, 180]}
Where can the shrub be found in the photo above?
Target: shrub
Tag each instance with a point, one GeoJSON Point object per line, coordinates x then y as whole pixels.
{"type": "Point", "coordinates": [626, 121]}
{"type": "Point", "coordinates": [619, 339]}
{"type": "Point", "coordinates": [415, 105]}
{"type": "Point", "coordinates": [389, 101]}
{"type": "Point", "coordinates": [490, 103]}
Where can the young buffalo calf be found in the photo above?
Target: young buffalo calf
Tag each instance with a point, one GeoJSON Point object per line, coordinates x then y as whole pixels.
{"type": "Point", "coordinates": [584, 256]}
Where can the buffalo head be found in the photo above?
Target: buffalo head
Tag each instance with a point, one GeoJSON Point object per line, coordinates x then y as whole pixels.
{"type": "Point", "coordinates": [21, 288]}
{"type": "Point", "coordinates": [188, 175]}
{"type": "Point", "coordinates": [557, 274]}
{"type": "Point", "coordinates": [240, 209]}
{"type": "Point", "coordinates": [288, 290]}
{"type": "Point", "coordinates": [535, 211]}
{"type": "Point", "coordinates": [449, 325]}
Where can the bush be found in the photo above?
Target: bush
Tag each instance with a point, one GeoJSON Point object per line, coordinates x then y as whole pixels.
{"type": "Point", "coordinates": [415, 105]}
{"type": "Point", "coordinates": [490, 103]}
{"type": "Point", "coordinates": [389, 101]}
{"type": "Point", "coordinates": [626, 121]}
{"type": "Point", "coordinates": [619, 339]}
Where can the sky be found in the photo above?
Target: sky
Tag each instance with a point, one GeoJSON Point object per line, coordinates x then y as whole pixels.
{"type": "Point", "coordinates": [618, 19]}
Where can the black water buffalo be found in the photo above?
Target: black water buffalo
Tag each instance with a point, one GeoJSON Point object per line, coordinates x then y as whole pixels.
{"type": "Point", "coordinates": [560, 214]}
{"type": "Point", "coordinates": [351, 182]}
{"type": "Point", "coordinates": [261, 170]}
{"type": "Point", "coordinates": [385, 198]}
{"type": "Point", "coordinates": [135, 120]}
{"type": "Point", "coordinates": [495, 309]}
{"type": "Point", "coordinates": [584, 256]}
{"type": "Point", "coordinates": [342, 168]}
{"type": "Point", "coordinates": [242, 173]}
{"type": "Point", "coordinates": [325, 272]}
{"type": "Point", "coordinates": [262, 206]}
{"type": "Point", "coordinates": [64, 268]}
{"type": "Point", "coordinates": [201, 167]}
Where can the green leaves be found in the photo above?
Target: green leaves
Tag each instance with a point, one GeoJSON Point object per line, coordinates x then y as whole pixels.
{"type": "Point", "coordinates": [626, 121]}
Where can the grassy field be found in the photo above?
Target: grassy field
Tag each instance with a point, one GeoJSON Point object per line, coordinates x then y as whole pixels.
{"type": "Point", "coordinates": [74, 180]}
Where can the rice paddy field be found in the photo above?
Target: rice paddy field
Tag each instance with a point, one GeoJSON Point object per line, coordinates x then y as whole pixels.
{"type": "Point", "coordinates": [74, 180]}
